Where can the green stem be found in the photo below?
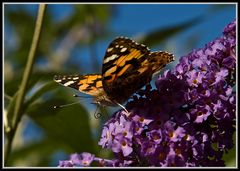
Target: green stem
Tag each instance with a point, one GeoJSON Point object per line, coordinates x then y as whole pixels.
{"type": "Point", "coordinates": [18, 113]}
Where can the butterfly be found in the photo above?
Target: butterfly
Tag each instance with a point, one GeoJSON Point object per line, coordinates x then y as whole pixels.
{"type": "Point", "coordinates": [127, 67]}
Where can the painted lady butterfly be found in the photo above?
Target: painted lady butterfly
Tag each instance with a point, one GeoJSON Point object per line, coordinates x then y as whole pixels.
{"type": "Point", "coordinates": [127, 67]}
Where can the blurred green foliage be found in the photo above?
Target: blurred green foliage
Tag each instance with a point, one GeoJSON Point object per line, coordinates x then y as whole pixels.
{"type": "Point", "coordinates": [67, 129]}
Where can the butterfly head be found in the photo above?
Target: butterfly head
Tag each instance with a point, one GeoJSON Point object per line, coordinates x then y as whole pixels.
{"type": "Point", "coordinates": [103, 100]}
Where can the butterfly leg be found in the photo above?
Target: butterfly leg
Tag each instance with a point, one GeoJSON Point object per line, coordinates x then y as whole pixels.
{"type": "Point", "coordinates": [127, 113]}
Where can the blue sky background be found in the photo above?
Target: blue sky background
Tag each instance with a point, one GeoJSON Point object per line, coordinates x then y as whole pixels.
{"type": "Point", "coordinates": [132, 20]}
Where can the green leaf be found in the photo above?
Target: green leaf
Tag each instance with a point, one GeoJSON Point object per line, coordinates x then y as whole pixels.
{"type": "Point", "coordinates": [69, 125]}
{"type": "Point", "coordinates": [230, 156]}
{"type": "Point", "coordinates": [32, 82]}
{"type": "Point", "coordinates": [160, 35]}
{"type": "Point", "coordinates": [35, 153]}
{"type": "Point", "coordinates": [12, 86]}
{"type": "Point", "coordinates": [45, 88]}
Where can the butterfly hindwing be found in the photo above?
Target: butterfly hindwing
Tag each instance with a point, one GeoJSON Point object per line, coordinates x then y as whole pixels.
{"type": "Point", "coordinates": [89, 84]}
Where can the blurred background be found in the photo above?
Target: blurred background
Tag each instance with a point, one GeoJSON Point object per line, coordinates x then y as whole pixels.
{"type": "Point", "coordinates": [73, 41]}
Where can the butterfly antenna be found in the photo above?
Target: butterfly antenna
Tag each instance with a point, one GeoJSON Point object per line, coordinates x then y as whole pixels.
{"type": "Point", "coordinates": [56, 107]}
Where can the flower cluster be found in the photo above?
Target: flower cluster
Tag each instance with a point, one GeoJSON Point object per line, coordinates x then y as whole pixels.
{"type": "Point", "coordinates": [188, 121]}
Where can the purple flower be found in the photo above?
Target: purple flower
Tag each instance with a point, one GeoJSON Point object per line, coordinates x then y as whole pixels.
{"type": "Point", "coordinates": [230, 30]}
{"type": "Point", "coordinates": [107, 137]}
{"type": "Point", "coordinates": [221, 75]}
{"type": "Point", "coordinates": [118, 135]}
{"type": "Point", "coordinates": [122, 145]}
{"type": "Point", "coordinates": [188, 121]}
{"type": "Point", "coordinates": [65, 163]}
{"type": "Point", "coordinates": [230, 34]}
{"type": "Point", "coordinates": [200, 113]}
{"type": "Point", "coordinates": [155, 136]}
{"type": "Point", "coordinates": [194, 78]}
{"type": "Point", "coordinates": [83, 159]}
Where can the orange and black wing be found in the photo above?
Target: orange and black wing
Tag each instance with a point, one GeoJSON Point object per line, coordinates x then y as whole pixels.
{"type": "Point", "coordinates": [128, 66]}
{"type": "Point", "coordinates": [89, 84]}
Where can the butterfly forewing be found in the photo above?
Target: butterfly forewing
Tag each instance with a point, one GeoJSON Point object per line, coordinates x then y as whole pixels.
{"type": "Point", "coordinates": [122, 59]}
{"type": "Point", "coordinates": [128, 66]}
{"type": "Point", "coordinates": [119, 53]}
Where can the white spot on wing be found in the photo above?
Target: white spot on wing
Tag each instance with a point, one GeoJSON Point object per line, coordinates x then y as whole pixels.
{"type": "Point", "coordinates": [75, 78]}
{"type": "Point", "coordinates": [109, 49]}
{"type": "Point", "coordinates": [58, 81]}
{"type": "Point", "coordinates": [68, 83]}
{"type": "Point", "coordinates": [123, 49]}
{"type": "Point", "coordinates": [114, 56]}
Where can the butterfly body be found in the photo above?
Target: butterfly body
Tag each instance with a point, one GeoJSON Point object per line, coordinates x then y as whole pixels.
{"type": "Point", "coordinates": [127, 67]}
